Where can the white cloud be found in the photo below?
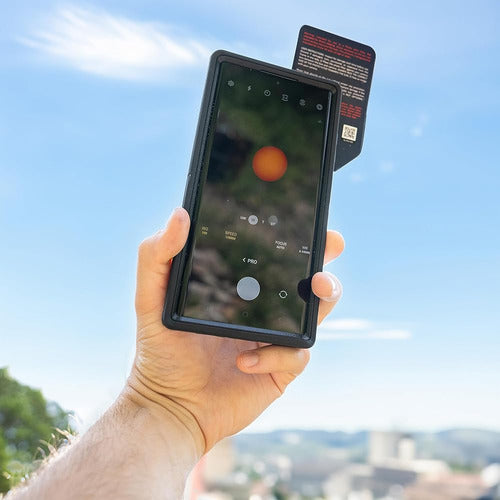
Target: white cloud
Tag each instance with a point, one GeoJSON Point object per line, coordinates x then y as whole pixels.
{"type": "Point", "coordinates": [356, 177]}
{"type": "Point", "coordinates": [418, 129]}
{"type": "Point", "coordinates": [98, 42]}
{"type": "Point", "coordinates": [386, 167]}
{"type": "Point", "coordinates": [368, 335]}
{"type": "Point", "coordinates": [359, 329]}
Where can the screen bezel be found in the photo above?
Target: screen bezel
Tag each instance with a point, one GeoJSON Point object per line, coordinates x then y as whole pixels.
{"type": "Point", "coordinates": [192, 197]}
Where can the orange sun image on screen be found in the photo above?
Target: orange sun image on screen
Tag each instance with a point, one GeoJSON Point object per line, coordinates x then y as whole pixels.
{"type": "Point", "coordinates": [269, 163]}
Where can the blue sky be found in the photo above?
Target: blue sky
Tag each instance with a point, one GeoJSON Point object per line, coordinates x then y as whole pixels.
{"type": "Point", "coordinates": [98, 106]}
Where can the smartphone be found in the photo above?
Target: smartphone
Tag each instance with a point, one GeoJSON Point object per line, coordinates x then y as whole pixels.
{"type": "Point", "coordinates": [257, 192]}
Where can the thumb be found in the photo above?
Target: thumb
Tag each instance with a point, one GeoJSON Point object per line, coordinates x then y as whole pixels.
{"type": "Point", "coordinates": [155, 254]}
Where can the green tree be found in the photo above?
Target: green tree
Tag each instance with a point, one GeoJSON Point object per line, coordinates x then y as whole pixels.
{"type": "Point", "coordinates": [28, 425]}
{"type": "Point", "coordinates": [4, 477]}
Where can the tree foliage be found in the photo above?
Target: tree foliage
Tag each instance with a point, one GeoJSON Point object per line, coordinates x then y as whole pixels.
{"type": "Point", "coordinates": [4, 476]}
{"type": "Point", "coordinates": [28, 424]}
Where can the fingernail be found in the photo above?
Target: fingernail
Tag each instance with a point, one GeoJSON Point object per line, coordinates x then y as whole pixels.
{"type": "Point", "coordinates": [178, 212]}
{"type": "Point", "coordinates": [250, 359]}
{"type": "Point", "coordinates": [336, 288]}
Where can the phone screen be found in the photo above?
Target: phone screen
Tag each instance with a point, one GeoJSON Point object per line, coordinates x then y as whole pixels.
{"type": "Point", "coordinates": [249, 259]}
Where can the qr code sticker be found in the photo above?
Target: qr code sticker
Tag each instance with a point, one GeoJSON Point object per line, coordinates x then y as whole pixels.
{"type": "Point", "coordinates": [349, 133]}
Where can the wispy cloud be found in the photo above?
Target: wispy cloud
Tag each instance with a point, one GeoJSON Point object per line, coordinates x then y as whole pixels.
{"type": "Point", "coordinates": [356, 177]}
{"type": "Point", "coordinates": [359, 329]}
{"type": "Point", "coordinates": [95, 41]}
{"type": "Point", "coordinates": [386, 167]}
{"type": "Point", "coordinates": [418, 129]}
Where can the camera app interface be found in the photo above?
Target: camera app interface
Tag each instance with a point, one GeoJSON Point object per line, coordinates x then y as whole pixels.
{"type": "Point", "coordinates": [252, 247]}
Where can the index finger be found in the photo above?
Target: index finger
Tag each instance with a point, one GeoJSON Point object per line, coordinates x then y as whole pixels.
{"type": "Point", "coordinates": [334, 245]}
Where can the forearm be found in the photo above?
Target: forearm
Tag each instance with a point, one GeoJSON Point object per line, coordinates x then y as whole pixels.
{"type": "Point", "coordinates": [131, 452]}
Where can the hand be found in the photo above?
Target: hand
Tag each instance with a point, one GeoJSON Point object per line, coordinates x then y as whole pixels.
{"type": "Point", "coordinates": [215, 386]}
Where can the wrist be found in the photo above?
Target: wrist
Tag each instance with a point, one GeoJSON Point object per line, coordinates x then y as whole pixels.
{"type": "Point", "coordinates": [135, 450]}
{"type": "Point", "coordinates": [172, 421]}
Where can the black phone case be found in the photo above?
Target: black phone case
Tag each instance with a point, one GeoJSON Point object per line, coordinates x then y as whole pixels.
{"type": "Point", "coordinates": [170, 318]}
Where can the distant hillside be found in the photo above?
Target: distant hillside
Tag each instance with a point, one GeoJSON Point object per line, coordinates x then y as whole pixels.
{"type": "Point", "coordinates": [301, 444]}
{"type": "Point", "coordinates": [467, 447]}
{"type": "Point", "coordinates": [471, 448]}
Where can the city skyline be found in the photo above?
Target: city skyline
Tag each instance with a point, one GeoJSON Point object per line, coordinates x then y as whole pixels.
{"type": "Point", "coordinates": [98, 108]}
